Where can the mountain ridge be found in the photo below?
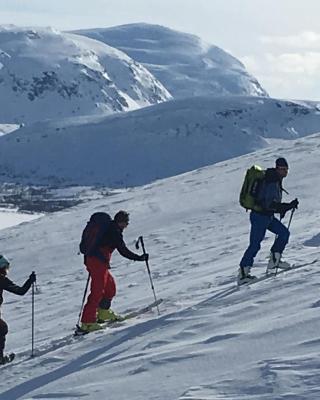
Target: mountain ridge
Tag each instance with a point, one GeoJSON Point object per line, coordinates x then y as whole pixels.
{"type": "Point", "coordinates": [185, 64]}
{"type": "Point", "coordinates": [47, 74]}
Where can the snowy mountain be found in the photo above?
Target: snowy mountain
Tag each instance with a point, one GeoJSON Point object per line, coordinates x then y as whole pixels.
{"type": "Point", "coordinates": [48, 74]}
{"type": "Point", "coordinates": [212, 340]}
{"type": "Point", "coordinates": [155, 142]}
{"type": "Point", "coordinates": [183, 63]}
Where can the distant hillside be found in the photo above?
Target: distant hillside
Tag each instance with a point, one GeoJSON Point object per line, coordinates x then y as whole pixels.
{"type": "Point", "coordinates": [48, 74]}
{"type": "Point", "coordinates": [155, 142]}
{"type": "Point", "coordinates": [184, 64]}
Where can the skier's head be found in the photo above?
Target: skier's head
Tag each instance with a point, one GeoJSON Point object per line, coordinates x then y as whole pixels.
{"type": "Point", "coordinates": [282, 167]}
{"type": "Point", "coordinates": [122, 219]}
{"type": "Point", "coordinates": [4, 265]}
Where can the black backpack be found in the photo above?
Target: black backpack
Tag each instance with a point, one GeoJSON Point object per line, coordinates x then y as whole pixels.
{"type": "Point", "coordinates": [93, 234]}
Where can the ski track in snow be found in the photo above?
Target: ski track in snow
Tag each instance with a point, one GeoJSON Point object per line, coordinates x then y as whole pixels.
{"type": "Point", "coordinates": [213, 340]}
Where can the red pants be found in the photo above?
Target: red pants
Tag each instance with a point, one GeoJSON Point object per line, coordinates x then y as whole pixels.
{"type": "Point", "coordinates": [103, 288]}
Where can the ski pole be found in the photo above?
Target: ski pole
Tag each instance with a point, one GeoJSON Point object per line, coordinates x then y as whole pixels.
{"type": "Point", "coordinates": [32, 322]}
{"type": "Point", "coordinates": [291, 215]}
{"type": "Point", "coordinates": [140, 240]}
{"type": "Point", "coordinates": [293, 210]}
{"type": "Point", "coordinates": [83, 300]}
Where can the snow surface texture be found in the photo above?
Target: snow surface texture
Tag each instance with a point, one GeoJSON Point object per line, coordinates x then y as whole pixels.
{"type": "Point", "coordinates": [138, 147]}
{"type": "Point", "coordinates": [212, 340]}
{"type": "Point", "coordinates": [183, 63]}
{"type": "Point", "coordinates": [48, 74]}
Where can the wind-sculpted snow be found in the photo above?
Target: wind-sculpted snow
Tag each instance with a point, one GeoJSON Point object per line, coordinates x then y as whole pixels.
{"type": "Point", "coordinates": [48, 74]}
{"type": "Point", "coordinates": [183, 63]}
{"type": "Point", "coordinates": [153, 143]}
{"type": "Point", "coordinates": [213, 340]}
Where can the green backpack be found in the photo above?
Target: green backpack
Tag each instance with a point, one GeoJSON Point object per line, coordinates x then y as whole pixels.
{"type": "Point", "coordinates": [249, 188]}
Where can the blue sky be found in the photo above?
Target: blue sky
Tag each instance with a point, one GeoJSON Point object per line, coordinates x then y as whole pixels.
{"type": "Point", "coordinates": [277, 40]}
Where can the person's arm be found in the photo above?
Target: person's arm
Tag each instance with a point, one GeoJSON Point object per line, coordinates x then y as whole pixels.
{"type": "Point", "coordinates": [123, 249]}
{"type": "Point", "coordinates": [125, 252]}
{"type": "Point", "coordinates": [11, 287]}
{"type": "Point", "coordinates": [282, 208]}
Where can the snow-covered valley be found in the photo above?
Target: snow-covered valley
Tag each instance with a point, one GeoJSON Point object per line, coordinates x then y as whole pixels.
{"type": "Point", "coordinates": [12, 218]}
{"type": "Point", "coordinates": [212, 340]}
{"type": "Point", "coordinates": [152, 143]}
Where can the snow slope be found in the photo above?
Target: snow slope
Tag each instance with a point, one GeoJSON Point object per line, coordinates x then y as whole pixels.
{"type": "Point", "coordinates": [48, 74]}
{"type": "Point", "coordinates": [212, 340]}
{"type": "Point", "coordinates": [11, 218]}
{"type": "Point", "coordinates": [155, 142]}
{"type": "Point", "coordinates": [185, 64]}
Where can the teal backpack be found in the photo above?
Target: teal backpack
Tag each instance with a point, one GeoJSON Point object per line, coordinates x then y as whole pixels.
{"type": "Point", "coordinates": [250, 188]}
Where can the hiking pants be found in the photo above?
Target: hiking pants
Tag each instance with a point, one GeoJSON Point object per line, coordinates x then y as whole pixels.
{"type": "Point", "coordinates": [102, 289]}
{"type": "Point", "coordinates": [3, 333]}
{"type": "Point", "coordinates": [259, 225]}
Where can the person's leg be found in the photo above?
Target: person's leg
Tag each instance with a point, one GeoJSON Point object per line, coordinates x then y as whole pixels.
{"type": "Point", "coordinates": [109, 291]}
{"type": "Point", "coordinates": [104, 311]}
{"type": "Point", "coordinates": [98, 273]}
{"type": "Point", "coordinates": [282, 235]}
{"type": "Point", "coordinates": [259, 224]}
{"type": "Point", "coordinates": [3, 334]}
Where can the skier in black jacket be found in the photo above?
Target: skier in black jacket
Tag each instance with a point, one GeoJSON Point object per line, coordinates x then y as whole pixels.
{"type": "Point", "coordinates": [103, 287]}
{"type": "Point", "coordinates": [8, 285]}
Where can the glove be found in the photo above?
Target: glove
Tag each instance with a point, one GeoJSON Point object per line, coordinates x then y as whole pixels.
{"type": "Point", "coordinates": [32, 277]}
{"type": "Point", "coordinates": [144, 257]}
{"type": "Point", "coordinates": [294, 204]}
{"type": "Point", "coordinates": [283, 208]}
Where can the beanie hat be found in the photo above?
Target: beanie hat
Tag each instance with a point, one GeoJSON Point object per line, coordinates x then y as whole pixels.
{"type": "Point", "coordinates": [282, 162]}
{"type": "Point", "coordinates": [4, 263]}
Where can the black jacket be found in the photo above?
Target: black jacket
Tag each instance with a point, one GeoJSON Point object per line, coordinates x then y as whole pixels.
{"type": "Point", "coordinates": [9, 286]}
{"type": "Point", "coordinates": [270, 192]}
{"type": "Point", "coordinates": [114, 240]}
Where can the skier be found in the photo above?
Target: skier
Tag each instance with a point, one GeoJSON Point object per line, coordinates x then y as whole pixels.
{"type": "Point", "coordinates": [7, 284]}
{"type": "Point", "coordinates": [268, 197]}
{"type": "Point", "coordinates": [103, 288]}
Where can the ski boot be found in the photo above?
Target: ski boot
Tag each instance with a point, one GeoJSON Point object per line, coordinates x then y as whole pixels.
{"type": "Point", "coordinates": [109, 315]}
{"type": "Point", "coordinates": [244, 276]}
{"type": "Point", "coordinates": [5, 359]}
{"type": "Point", "coordinates": [87, 328]}
{"type": "Point", "coordinates": [275, 263]}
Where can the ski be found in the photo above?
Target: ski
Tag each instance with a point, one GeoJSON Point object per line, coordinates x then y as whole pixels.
{"type": "Point", "coordinates": [280, 271]}
{"type": "Point", "coordinates": [125, 317]}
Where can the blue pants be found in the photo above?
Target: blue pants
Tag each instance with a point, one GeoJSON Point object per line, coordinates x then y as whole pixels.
{"type": "Point", "coordinates": [259, 225]}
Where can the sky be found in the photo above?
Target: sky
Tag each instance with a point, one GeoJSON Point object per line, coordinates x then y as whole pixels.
{"type": "Point", "coordinates": [277, 40]}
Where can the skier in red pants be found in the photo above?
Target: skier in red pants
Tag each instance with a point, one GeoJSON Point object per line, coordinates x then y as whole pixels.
{"type": "Point", "coordinates": [103, 287]}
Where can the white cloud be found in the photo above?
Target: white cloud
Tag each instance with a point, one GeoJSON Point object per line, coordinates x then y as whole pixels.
{"type": "Point", "coordinates": [306, 40]}
{"type": "Point", "coordinates": [295, 63]}
{"type": "Point", "coordinates": [285, 75]}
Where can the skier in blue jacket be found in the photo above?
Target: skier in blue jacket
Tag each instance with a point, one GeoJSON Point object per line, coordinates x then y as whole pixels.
{"type": "Point", "coordinates": [269, 198]}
